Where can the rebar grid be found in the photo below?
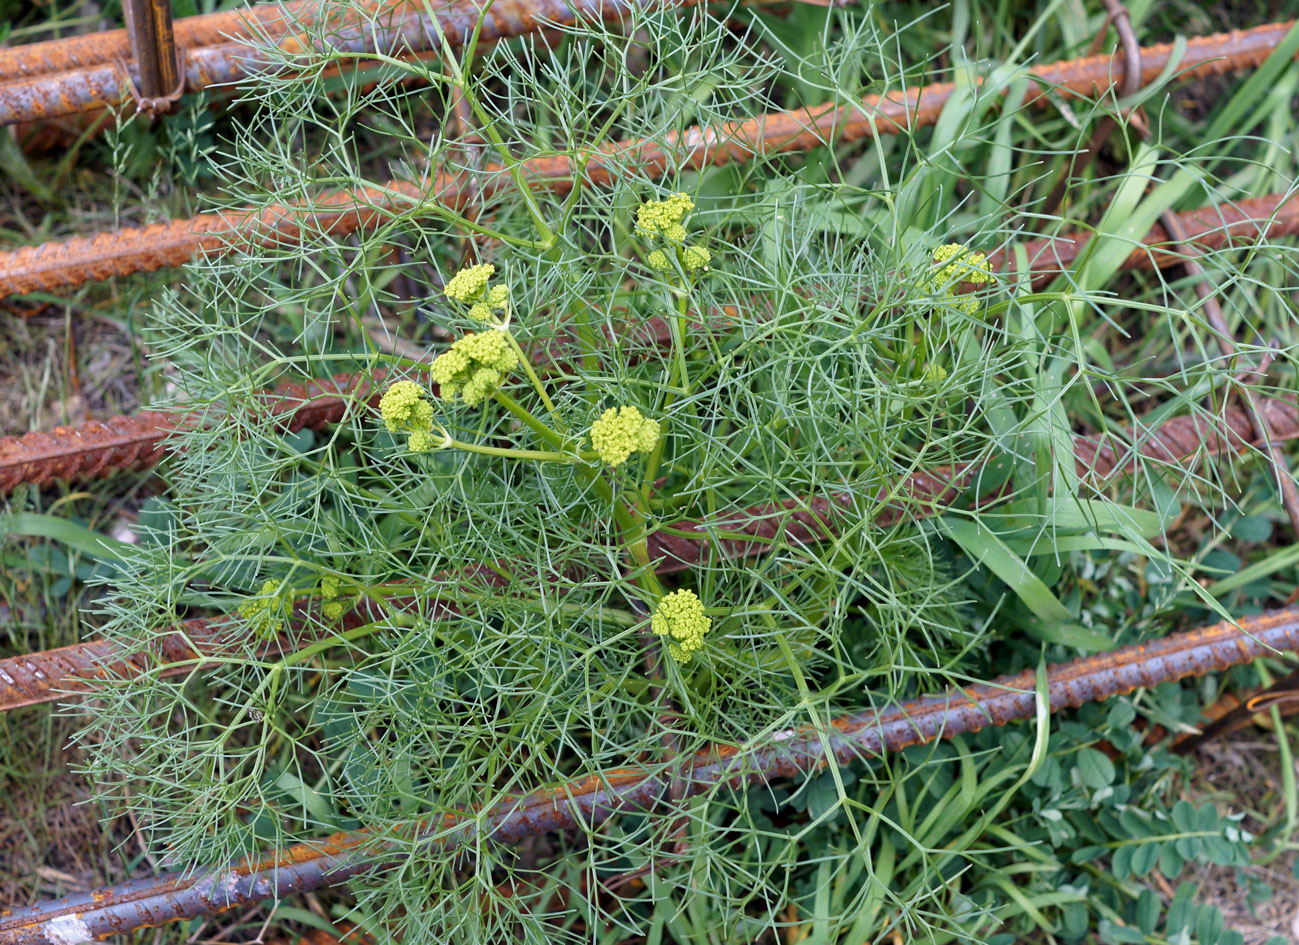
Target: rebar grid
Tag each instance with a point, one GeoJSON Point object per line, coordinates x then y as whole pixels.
{"type": "Point", "coordinates": [122, 252]}
{"type": "Point", "coordinates": [137, 442]}
{"type": "Point", "coordinates": [587, 803]}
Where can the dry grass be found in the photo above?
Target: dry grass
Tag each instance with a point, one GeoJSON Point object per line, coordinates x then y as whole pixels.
{"type": "Point", "coordinates": [58, 366]}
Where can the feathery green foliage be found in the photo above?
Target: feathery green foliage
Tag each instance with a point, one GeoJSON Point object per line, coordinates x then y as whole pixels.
{"type": "Point", "coordinates": [794, 338]}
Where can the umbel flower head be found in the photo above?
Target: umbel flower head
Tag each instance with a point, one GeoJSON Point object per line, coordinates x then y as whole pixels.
{"type": "Point", "coordinates": [680, 617]}
{"type": "Point", "coordinates": [621, 431]}
{"type": "Point", "coordinates": [265, 613]}
{"type": "Point", "coordinates": [474, 366]}
{"type": "Point", "coordinates": [470, 286]}
{"type": "Point", "coordinates": [332, 608]}
{"type": "Point", "coordinates": [664, 217]}
{"type": "Point", "coordinates": [695, 258]}
{"type": "Point", "coordinates": [962, 264]}
{"type": "Point", "coordinates": [404, 410]}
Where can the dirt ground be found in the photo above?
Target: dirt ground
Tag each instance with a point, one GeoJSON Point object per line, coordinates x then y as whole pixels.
{"type": "Point", "coordinates": [1243, 772]}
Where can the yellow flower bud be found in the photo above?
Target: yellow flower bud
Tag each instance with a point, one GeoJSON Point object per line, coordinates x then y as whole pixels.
{"type": "Point", "coordinates": [621, 431]}
{"type": "Point", "coordinates": [468, 284]}
{"type": "Point", "coordinates": [680, 616]}
{"type": "Point", "coordinates": [474, 367]}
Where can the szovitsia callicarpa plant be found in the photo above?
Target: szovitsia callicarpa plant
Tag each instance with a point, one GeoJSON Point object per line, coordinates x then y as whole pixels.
{"type": "Point", "coordinates": [465, 577]}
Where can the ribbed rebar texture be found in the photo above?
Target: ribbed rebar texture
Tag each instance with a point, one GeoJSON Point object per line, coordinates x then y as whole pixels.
{"type": "Point", "coordinates": [82, 259]}
{"type": "Point", "coordinates": [1207, 229]}
{"type": "Point", "coordinates": [100, 448]}
{"type": "Point", "coordinates": [80, 668]}
{"type": "Point", "coordinates": [97, 448]}
{"type": "Point", "coordinates": [396, 28]}
{"type": "Point", "coordinates": [93, 49]}
{"type": "Point", "coordinates": [587, 803]}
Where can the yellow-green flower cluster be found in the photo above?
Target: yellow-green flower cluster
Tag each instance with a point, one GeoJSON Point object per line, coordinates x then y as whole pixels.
{"type": "Point", "coordinates": [621, 431]}
{"type": "Point", "coordinates": [470, 286]}
{"type": "Point", "coordinates": [935, 374]}
{"type": "Point", "coordinates": [404, 410]}
{"type": "Point", "coordinates": [474, 366]}
{"type": "Point", "coordinates": [961, 264]}
{"type": "Point", "coordinates": [666, 219]}
{"type": "Point", "coordinates": [332, 607]}
{"type": "Point", "coordinates": [695, 258]}
{"type": "Point", "coordinates": [680, 617]}
{"type": "Point", "coordinates": [265, 613]}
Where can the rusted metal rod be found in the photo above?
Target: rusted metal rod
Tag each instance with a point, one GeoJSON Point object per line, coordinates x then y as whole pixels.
{"type": "Point", "coordinates": [803, 521]}
{"type": "Point", "coordinates": [1226, 344]}
{"type": "Point", "coordinates": [122, 252]}
{"type": "Point", "coordinates": [209, 29]}
{"type": "Point", "coordinates": [153, 47]}
{"type": "Point", "coordinates": [397, 27]}
{"type": "Point", "coordinates": [98, 448]}
{"type": "Point", "coordinates": [71, 670]}
{"type": "Point", "coordinates": [585, 804]}
{"type": "Point", "coordinates": [1209, 228]}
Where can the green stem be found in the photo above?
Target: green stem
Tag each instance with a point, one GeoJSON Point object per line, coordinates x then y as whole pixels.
{"type": "Point", "coordinates": [532, 376]}
{"type": "Point", "coordinates": [486, 126]}
{"type": "Point", "coordinates": [681, 382]}
{"type": "Point", "coordinates": [541, 456]}
{"type": "Point", "coordinates": [529, 419]}
{"type": "Point", "coordinates": [432, 207]}
{"type": "Point", "coordinates": [630, 525]}
{"type": "Point", "coordinates": [347, 636]}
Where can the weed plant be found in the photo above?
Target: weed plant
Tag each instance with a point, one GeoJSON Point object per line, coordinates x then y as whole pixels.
{"type": "Point", "coordinates": [688, 346]}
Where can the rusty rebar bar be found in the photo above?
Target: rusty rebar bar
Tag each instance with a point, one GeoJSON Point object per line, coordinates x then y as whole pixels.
{"type": "Point", "coordinates": [587, 803]}
{"type": "Point", "coordinates": [131, 443]}
{"type": "Point", "coordinates": [153, 47]}
{"type": "Point", "coordinates": [209, 29]}
{"type": "Point", "coordinates": [146, 249]}
{"type": "Point", "coordinates": [806, 521]}
{"type": "Point", "coordinates": [76, 669]}
{"type": "Point", "coordinates": [1261, 423]}
{"type": "Point", "coordinates": [1216, 227]}
{"type": "Point", "coordinates": [98, 448]}
{"type": "Point", "coordinates": [396, 27]}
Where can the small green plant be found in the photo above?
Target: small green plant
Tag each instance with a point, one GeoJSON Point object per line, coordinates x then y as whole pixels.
{"type": "Point", "coordinates": [733, 346]}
